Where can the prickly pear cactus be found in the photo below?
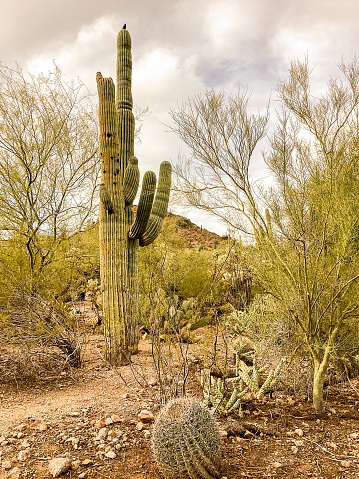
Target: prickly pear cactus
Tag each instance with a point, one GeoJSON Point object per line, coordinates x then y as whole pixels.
{"type": "Point", "coordinates": [121, 232]}
{"type": "Point", "coordinates": [186, 441]}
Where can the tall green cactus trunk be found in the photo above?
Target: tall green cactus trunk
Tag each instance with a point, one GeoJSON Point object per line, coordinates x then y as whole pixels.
{"type": "Point", "coordinates": [121, 232]}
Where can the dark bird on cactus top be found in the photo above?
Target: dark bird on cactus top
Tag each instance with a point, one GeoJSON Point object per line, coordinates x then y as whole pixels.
{"type": "Point", "coordinates": [124, 27]}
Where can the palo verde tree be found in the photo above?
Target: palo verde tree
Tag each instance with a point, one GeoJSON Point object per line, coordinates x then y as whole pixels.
{"type": "Point", "coordinates": [120, 232]}
{"type": "Point", "coordinates": [305, 225]}
{"type": "Point", "coordinates": [48, 158]}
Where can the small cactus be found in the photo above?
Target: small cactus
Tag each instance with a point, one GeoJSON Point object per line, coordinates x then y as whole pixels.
{"type": "Point", "coordinates": [186, 441]}
{"type": "Point", "coordinates": [245, 383]}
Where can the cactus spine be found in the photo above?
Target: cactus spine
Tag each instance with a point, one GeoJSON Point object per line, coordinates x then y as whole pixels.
{"type": "Point", "coordinates": [186, 441]}
{"type": "Point", "coordinates": [120, 232]}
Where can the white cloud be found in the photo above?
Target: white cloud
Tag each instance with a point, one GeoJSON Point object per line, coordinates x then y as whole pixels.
{"type": "Point", "coordinates": [82, 57]}
{"type": "Point", "coordinates": [181, 47]}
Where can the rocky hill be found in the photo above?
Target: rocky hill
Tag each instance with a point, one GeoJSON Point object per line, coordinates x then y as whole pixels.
{"type": "Point", "coordinates": [194, 236]}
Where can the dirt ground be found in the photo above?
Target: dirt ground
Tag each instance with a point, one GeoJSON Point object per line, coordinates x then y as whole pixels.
{"type": "Point", "coordinates": [91, 415]}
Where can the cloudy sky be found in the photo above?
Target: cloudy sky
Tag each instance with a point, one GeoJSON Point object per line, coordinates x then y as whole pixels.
{"type": "Point", "coordinates": [179, 48]}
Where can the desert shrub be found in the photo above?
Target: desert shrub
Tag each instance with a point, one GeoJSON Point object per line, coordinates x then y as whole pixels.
{"type": "Point", "coordinates": [233, 276]}
{"type": "Point", "coordinates": [267, 326]}
{"type": "Point", "coordinates": [35, 332]}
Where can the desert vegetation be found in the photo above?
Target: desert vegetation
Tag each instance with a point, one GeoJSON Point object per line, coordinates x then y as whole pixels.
{"type": "Point", "coordinates": [270, 309]}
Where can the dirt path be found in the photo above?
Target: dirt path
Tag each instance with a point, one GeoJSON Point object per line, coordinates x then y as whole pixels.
{"type": "Point", "coordinates": [91, 416]}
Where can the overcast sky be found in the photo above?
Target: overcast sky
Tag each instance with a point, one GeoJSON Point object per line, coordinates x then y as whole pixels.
{"type": "Point", "coordinates": [179, 48]}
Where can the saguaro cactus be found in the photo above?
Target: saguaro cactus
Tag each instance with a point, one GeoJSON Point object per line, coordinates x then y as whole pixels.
{"type": "Point", "coordinates": [121, 232]}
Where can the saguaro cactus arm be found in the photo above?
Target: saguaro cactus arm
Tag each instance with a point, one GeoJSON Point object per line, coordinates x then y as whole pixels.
{"type": "Point", "coordinates": [160, 204]}
{"type": "Point", "coordinates": [144, 205]}
{"type": "Point", "coordinates": [131, 180]}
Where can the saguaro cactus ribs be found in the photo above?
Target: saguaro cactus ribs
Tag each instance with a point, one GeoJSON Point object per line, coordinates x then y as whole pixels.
{"type": "Point", "coordinates": [120, 232]}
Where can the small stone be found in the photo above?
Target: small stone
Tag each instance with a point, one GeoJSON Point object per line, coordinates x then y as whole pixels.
{"type": "Point", "coordinates": [110, 454]}
{"type": "Point", "coordinates": [87, 462]}
{"type": "Point", "coordinates": [59, 465]}
{"type": "Point", "coordinates": [345, 464]}
{"type": "Point", "coordinates": [2, 439]}
{"type": "Point", "coordinates": [140, 426]}
{"type": "Point", "coordinates": [147, 435]}
{"type": "Point", "coordinates": [294, 449]}
{"type": "Point", "coordinates": [152, 381]}
{"type": "Point", "coordinates": [277, 465]}
{"type": "Point", "coordinates": [82, 475]}
{"type": "Point", "coordinates": [100, 423]}
{"type": "Point", "coordinates": [108, 421]}
{"type": "Point", "coordinates": [115, 418]}
{"type": "Point", "coordinates": [6, 465]}
{"type": "Point", "coordinates": [42, 427]}
{"type": "Point", "coordinates": [23, 455]}
{"type": "Point", "coordinates": [73, 413]}
{"type": "Point", "coordinates": [299, 432]}
{"type": "Point", "coordinates": [125, 396]}
{"type": "Point", "coordinates": [146, 416]}
{"type": "Point", "coordinates": [354, 435]}
{"type": "Point", "coordinates": [15, 473]}
{"type": "Point", "coordinates": [101, 434]}
{"type": "Point", "coordinates": [223, 432]}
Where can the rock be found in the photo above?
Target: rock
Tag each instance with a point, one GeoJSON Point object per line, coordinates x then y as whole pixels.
{"type": "Point", "coordinates": [2, 439]}
{"type": "Point", "coordinates": [147, 435]}
{"type": "Point", "coordinates": [108, 421]}
{"type": "Point", "coordinates": [15, 473]}
{"type": "Point", "coordinates": [152, 381]}
{"type": "Point", "coordinates": [140, 426]}
{"type": "Point", "coordinates": [299, 432]}
{"type": "Point", "coordinates": [101, 434]}
{"type": "Point", "coordinates": [345, 464]}
{"type": "Point", "coordinates": [277, 465]}
{"type": "Point", "coordinates": [146, 416]}
{"type": "Point", "coordinates": [115, 418]}
{"type": "Point", "coordinates": [82, 475]}
{"type": "Point", "coordinates": [59, 465]}
{"type": "Point", "coordinates": [87, 462]}
{"type": "Point", "coordinates": [100, 424]}
{"type": "Point", "coordinates": [125, 396]}
{"type": "Point", "coordinates": [42, 427]}
{"type": "Point", "coordinates": [6, 465]}
{"type": "Point", "coordinates": [110, 454]}
{"type": "Point", "coordinates": [23, 455]}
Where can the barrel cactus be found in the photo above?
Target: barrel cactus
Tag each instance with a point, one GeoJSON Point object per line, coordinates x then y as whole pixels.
{"type": "Point", "coordinates": [186, 441]}
{"type": "Point", "coordinates": [121, 232]}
